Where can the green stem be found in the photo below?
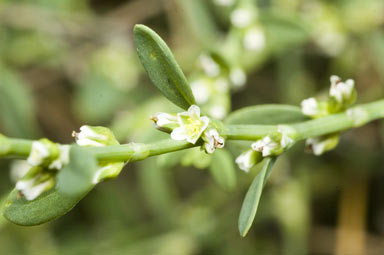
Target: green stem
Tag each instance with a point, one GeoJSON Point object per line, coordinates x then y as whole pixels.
{"type": "Point", "coordinates": [355, 117]}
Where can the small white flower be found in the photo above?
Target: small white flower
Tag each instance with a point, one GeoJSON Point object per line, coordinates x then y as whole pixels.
{"type": "Point", "coordinates": [95, 136]}
{"type": "Point", "coordinates": [31, 190]}
{"type": "Point", "coordinates": [165, 120]}
{"type": "Point", "coordinates": [39, 152]}
{"type": "Point", "coordinates": [254, 39]}
{"type": "Point", "coordinates": [224, 2]}
{"type": "Point", "coordinates": [221, 84]}
{"type": "Point", "coordinates": [107, 172]}
{"type": "Point", "coordinates": [341, 91]}
{"type": "Point", "coordinates": [191, 125]}
{"type": "Point", "coordinates": [247, 160]}
{"type": "Point", "coordinates": [88, 137]}
{"type": "Point", "coordinates": [242, 17]}
{"type": "Point", "coordinates": [286, 136]}
{"type": "Point", "coordinates": [201, 90]}
{"type": "Point", "coordinates": [18, 169]}
{"type": "Point", "coordinates": [62, 159]}
{"type": "Point", "coordinates": [266, 146]}
{"type": "Point", "coordinates": [238, 77]}
{"type": "Point", "coordinates": [212, 140]}
{"type": "Point", "coordinates": [210, 67]}
{"type": "Point", "coordinates": [218, 112]}
{"type": "Point", "coordinates": [319, 145]}
{"type": "Point", "coordinates": [310, 107]}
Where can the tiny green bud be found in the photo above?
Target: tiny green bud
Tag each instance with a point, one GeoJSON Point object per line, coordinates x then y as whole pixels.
{"type": "Point", "coordinates": [268, 146]}
{"type": "Point", "coordinates": [108, 171]}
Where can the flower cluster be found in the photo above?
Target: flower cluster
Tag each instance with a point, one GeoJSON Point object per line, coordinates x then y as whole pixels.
{"type": "Point", "coordinates": [99, 136]}
{"type": "Point", "coordinates": [341, 96]}
{"type": "Point", "coordinates": [211, 84]}
{"type": "Point", "coordinates": [38, 174]}
{"type": "Point", "coordinates": [190, 126]}
{"type": "Point", "coordinates": [270, 145]}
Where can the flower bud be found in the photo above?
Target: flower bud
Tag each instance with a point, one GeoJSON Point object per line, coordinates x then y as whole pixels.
{"type": "Point", "coordinates": [165, 121]}
{"type": "Point", "coordinates": [95, 136]}
{"type": "Point", "coordinates": [343, 93]}
{"type": "Point", "coordinates": [35, 182]}
{"type": "Point", "coordinates": [248, 159]}
{"type": "Point", "coordinates": [212, 140]}
{"type": "Point", "coordinates": [319, 145]}
{"type": "Point", "coordinates": [43, 152]}
{"type": "Point", "coordinates": [108, 171]}
{"type": "Point", "coordinates": [267, 146]}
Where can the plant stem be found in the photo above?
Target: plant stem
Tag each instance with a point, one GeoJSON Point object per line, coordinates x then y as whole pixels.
{"type": "Point", "coordinates": [354, 117]}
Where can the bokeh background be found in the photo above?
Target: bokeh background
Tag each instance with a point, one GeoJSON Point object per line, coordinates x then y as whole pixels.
{"type": "Point", "coordinates": [66, 63]}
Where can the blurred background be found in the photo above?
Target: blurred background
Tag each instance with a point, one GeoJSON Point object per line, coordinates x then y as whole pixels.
{"type": "Point", "coordinates": [66, 63]}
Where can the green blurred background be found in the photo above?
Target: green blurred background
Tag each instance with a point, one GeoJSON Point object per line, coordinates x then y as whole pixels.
{"type": "Point", "coordinates": [65, 63]}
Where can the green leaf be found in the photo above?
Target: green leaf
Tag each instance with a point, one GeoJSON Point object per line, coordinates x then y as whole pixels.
{"type": "Point", "coordinates": [162, 67]}
{"type": "Point", "coordinates": [17, 109]}
{"type": "Point", "coordinates": [268, 114]}
{"type": "Point", "coordinates": [76, 178]}
{"type": "Point", "coordinates": [223, 170]}
{"type": "Point", "coordinates": [252, 198]}
{"type": "Point", "coordinates": [49, 206]}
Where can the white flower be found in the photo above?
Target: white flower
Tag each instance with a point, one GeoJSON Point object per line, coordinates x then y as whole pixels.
{"type": "Point", "coordinates": [218, 112]}
{"type": "Point", "coordinates": [242, 17]}
{"type": "Point", "coordinates": [201, 90]}
{"type": "Point", "coordinates": [108, 171]}
{"type": "Point", "coordinates": [31, 190]}
{"type": "Point", "coordinates": [191, 125]}
{"type": "Point", "coordinates": [165, 120]}
{"type": "Point", "coordinates": [287, 134]}
{"type": "Point", "coordinates": [39, 152]}
{"type": "Point", "coordinates": [224, 2]}
{"type": "Point", "coordinates": [238, 77]}
{"type": "Point", "coordinates": [247, 160]}
{"type": "Point", "coordinates": [95, 136]}
{"type": "Point", "coordinates": [341, 91]}
{"type": "Point", "coordinates": [221, 84]}
{"type": "Point", "coordinates": [87, 137]}
{"type": "Point", "coordinates": [266, 146]}
{"type": "Point", "coordinates": [254, 39]}
{"type": "Point", "coordinates": [310, 107]}
{"type": "Point", "coordinates": [210, 67]}
{"type": "Point", "coordinates": [18, 169]}
{"type": "Point", "coordinates": [62, 159]}
{"type": "Point", "coordinates": [319, 145]}
{"type": "Point", "coordinates": [212, 140]}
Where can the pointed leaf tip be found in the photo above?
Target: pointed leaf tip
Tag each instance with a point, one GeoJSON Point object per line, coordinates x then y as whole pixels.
{"type": "Point", "coordinates": [162, 67]}
{"type": "Point", "coordinates": [252, 198]}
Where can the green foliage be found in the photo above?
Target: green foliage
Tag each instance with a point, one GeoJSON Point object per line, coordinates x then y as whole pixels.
{"type": "Point", "coordinates": [48, 207]}
{"type": "Point", "coordinates": [162, 67]}
{"type": "Point", "coordinates": [76, 178]}
{"type": "Point", "coordinates": [223, 169]}
{"type": "Point", "coordinates": [266, 114]}
{"type": "Point", "coordinates": [252, 198]}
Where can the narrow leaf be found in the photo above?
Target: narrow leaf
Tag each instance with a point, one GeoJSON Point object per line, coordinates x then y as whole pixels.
{"type": "Point", "coordinates": [223, 170]}
{"type": "Point", "coordinates": [47, 207]}
{"type": "Point", "coordinates": [252, 198]}
{"type": "Point", "coordinates": [266, 114]}
{"type": "Point", "coordinates": [76, 178]}
{"type": "Point", "coordinates": [162, 67]}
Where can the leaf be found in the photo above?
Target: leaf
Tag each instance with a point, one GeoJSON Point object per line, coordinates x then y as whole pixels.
{"type": "Point", "coordinates": [252, 198]}
{"type": "Point", "coordinates": [76, 178]}
{"type": "Point", "coordinates": [223, 170]}
{"type": "Point", "coordinates": [17, 111]}
{"type": "Point", "coordinates": [162, 67]}
{"type": "Point", "coordinates": [49, 206]}
{"type": "Point", "coordinates": [268, 114]}
{"type": "Point", "coordinates": [74, 182]}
